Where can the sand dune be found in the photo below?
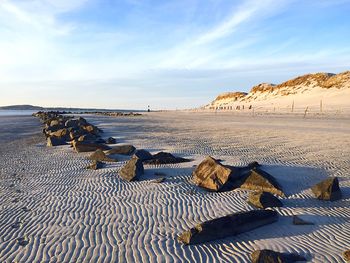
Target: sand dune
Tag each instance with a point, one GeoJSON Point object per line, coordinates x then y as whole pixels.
{"type": "Point", "coordinates": [316, 93]}
{"type": "Point", "coordinates": [79, 215]}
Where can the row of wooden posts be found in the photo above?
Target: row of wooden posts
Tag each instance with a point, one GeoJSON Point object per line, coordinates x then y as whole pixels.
{"type": "Point", "coordinates": [238, 107]}
{"type": "Point", "coordinates": [230, 107]}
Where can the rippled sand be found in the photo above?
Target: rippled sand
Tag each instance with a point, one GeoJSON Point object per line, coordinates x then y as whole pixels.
{"type": "Point", "coordinates": [77, 215]}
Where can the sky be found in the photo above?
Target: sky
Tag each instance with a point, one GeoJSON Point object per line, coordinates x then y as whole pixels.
{"type": "Point", "coordinates": [127, 54]}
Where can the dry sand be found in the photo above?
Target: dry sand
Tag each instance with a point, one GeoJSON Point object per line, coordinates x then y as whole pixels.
{"type": "Point", "coordinates": [314, 100]}
{"type": "Point", "coordinates": [78, 215]}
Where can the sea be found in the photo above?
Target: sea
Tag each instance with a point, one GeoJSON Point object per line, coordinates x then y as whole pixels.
{"type": "Point", "coordinates": [16, 112]}
{"type": "Point", "coordinates": [30, 112]}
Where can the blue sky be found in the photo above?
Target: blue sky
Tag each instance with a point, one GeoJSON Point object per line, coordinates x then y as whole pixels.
{"type": "Point", "coordinates": [167, 54]}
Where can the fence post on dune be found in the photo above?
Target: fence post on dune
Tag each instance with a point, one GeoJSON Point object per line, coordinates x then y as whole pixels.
{"type": "Point", "coordinates": [293, 106]}
{"type": "Point", "coordinates": [306, 111]}
{"type": "Point", "coordinates": [321, 106]}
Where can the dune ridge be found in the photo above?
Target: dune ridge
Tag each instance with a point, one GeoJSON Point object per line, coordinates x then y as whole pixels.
{"type": "Point", "coordinates": [319, 91]}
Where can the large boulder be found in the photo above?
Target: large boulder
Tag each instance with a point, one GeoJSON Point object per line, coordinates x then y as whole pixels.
{"type": "Point", "coordinates": [121, 149]}
{"type": "Point", "coordinates": [90, 129]}
{"type": "Point", "coordinates": [229, 225]}
{"type": "Point", "coordinates": [76, 123]}
{"type": "Point", "coordinates": [263, 200]}
{"type": "Point", "coordinates": [211, 174]}
{"type": "Point", "coordinates": [269, 256]}
{"type": "Point", "coordinates": [90, 138]}
{"type": "Point", "coordinates": [143, 155]}
{"type": "Point", "coordinates": [165, 158]}
{"type": "Point", "coordinates": [76, 134]}
{"type": "Point", "coordinates": [62, 133]}
{"type": "Point", "coordinates": [257, 179]}
{"type": "Point", "coordinates": [132, 170]}
{"type": "Point", "coordinates": [55, 122]}
{"type": "Point", "coordinates": [99, 155]}
{"type": "Point", "coordinates": [49, 129]}
{"type": "Point", "coordinates": [88, 147]}
{"type": "Point", "coordinates": [327, 190]}
{"type": "Point", "coordinates": [53, 141]}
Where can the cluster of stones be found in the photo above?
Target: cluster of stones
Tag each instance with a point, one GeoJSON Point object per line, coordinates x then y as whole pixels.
{"type": "Point", "coordinates": [61, 129]}
{"type": "Point", "coordinates": [113, 113]}
{"type": "Point", "coordinates": [84, 137]}
{"type": "Point", "coordinates": [213, 176]}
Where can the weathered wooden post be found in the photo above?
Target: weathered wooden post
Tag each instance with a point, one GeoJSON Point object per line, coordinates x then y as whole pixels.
{"type": "Point", "coordinates": [306, 111]}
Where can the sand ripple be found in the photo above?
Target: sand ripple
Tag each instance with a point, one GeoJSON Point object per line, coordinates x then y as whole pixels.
{"type": "Point", "coordinates": [70, 214]}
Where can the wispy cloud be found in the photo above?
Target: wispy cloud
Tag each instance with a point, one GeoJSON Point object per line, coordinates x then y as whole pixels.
{"type": "Point", "coordinates": [243, 13]}
{"type": "Point", "coordinates": [207, 44]}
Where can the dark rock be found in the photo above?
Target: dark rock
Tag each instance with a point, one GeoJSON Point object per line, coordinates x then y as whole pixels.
{"type": "Point", "coordinates": [49, 129]}
{"type": "Point", "coordinates": [264, 200]}
{"type": "Point", "coordinates": [62, 134]}
{"type": "Point", "coordinates": [91, 129]}
{"type": "Point", "coordinates": [257, 179]}
{"type": "Point", "coordinates": [346, 255]}
{"type": "Point", "coordinates": [253, 165]}
{"type": "Point", "coordinates": [82, 121]}
{"type": "Point", "coordinates": [298, 221]}
{"type": "Point", "coordinates": [143, 155]}
{"type": "Point", "coordinates": [165, 158]}
{"type": "Point", "coordinates": [269, 256]}
{"type": "Point", "coordinates": [229, 225]}
{"type": "Point", "coordinates": [23, 241]}
{"type": "Point", "coordinates": [16, 225]}
{"type": "Point", "coordinates": [87, 138]}
{"type": "Point", "coordinates": [211, 174]}
{"type": "Point", "coordinates": [91, 138]}
{"type": "Point", "coordinates": [121, 149]}
{"type": "Point", "coordinates": [133, 169]}
{"type": "Point", "coordinates": [53, 141]}
{"type": "Point", "coordinates": [25, 209]}
{"type": "Point", "coordinates": [88, 147]}
{"type": "Point", "coordinates": [54, 123]}
{"type": "Point", "coordinates": [95, 165]}
{"type": "Point", "coordinates": [72, 123]}
{"type": "Point", "coordinates": [327, 190]}
{"type": "Point", "coordinates": [111, 140]}
{"type": "Point", "coordinates": [76, 123]}
{"type": "Point", "coordinates": [75, 134]}
{"type": "Point", "coordinates": [99, 155]}
{"type": "Point", "coordinates": [16, 200]}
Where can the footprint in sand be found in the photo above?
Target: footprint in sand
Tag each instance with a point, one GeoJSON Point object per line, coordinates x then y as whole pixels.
{"type": "Point", "coordinates": [26, 209]}
{"type": "Point", "coordinates": [22, 241]}
{"type": "Point", "coordinates": [17, 225]}
{"type": "Point", "coordinates": [16, 200]}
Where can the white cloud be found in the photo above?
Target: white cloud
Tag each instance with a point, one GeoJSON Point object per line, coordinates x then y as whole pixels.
{"type": "Point", "coordinates": [199, 50]}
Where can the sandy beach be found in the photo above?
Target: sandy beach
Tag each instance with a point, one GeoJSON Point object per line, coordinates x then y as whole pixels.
{"type": "Point", "coordinates": [70, 214]}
